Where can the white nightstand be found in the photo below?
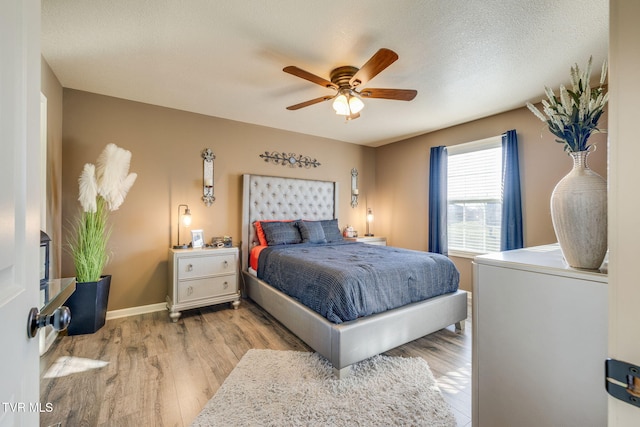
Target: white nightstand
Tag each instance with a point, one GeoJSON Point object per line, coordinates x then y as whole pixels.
{"type": "Point", "coordinates": [201, 277]}
{"type": "Point", "coordinates": [371, 240]}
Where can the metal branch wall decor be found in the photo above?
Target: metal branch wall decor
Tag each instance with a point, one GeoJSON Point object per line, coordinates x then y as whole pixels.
{"type": "Point", "coordinates": [207, 174]}
{"type": "Point", "coordinates": [289, 159]}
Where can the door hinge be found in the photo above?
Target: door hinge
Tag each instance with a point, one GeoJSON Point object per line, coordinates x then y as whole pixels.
{"type": "Point", "coordinates": [622, 381]}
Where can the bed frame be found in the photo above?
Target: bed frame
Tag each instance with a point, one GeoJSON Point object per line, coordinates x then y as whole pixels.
{"type": "Point", "coordinates": [268, 197]}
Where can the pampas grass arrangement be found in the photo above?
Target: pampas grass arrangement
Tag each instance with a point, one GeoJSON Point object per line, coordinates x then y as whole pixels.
{"type": "Point", "coordinates": [103, 189]}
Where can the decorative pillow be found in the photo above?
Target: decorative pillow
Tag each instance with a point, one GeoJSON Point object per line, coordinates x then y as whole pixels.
{"type": "Point", "coordinates": [281, 233]}
{"type": "Point", "coordinates": [331, 230]}
{"type": "Point", "coordinates": [260, 232]}
{"type": "Point", "coordinates": [311, 232]}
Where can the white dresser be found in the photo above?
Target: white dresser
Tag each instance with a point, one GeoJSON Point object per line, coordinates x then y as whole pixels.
{"type": "Point", "coordinates": [201, 277]}
{"type": "Point", "coordinates": [539, 341]}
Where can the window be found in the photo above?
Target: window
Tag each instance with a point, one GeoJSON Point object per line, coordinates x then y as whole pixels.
{"type": "Point", "coordinates": [474, 196]}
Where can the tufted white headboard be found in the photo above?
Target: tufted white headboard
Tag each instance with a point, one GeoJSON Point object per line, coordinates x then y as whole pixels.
{"type": "Point", "coordinates": [272, 197]}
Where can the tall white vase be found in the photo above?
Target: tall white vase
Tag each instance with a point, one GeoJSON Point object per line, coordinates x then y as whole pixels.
{"type": "Point", "coordinates": [579, 214]}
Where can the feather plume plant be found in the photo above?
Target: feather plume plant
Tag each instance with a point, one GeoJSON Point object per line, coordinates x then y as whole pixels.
{"type": "Point", "coordinates": [103, 189]}
{"type": "Point", "coordinates": [572, 116]}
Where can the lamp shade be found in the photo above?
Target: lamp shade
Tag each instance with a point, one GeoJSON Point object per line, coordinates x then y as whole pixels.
{"type": "Point", "coordinates": [341, 105]}
{"type": "Point", "coordinates": [355, 104]}
{"type": "Point", "coordinates": [186, 217]}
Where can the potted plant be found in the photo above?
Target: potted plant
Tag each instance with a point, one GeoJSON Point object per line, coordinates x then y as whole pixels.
{"type": "Point", "coordinates": [579, 200]}
{"type": "Point", "coordinates": [103, 188]}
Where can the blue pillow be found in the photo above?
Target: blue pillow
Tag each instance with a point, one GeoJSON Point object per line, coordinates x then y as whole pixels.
{"type": "Point", "coordinates": [281, 233]}
{"type": "Point", "coordinates": [311, 232]}
{"type": "Point", "coordinates": [331, 230]}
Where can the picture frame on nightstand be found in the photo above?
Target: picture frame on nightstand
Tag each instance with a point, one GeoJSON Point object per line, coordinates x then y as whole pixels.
{"type": "Point", "coordinates": [197, 239]}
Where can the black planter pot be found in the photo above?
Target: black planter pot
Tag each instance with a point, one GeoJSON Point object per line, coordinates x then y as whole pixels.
{"type": "Point", "coordinates": [88, 306]}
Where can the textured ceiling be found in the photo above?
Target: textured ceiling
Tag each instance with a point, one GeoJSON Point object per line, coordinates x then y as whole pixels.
{"type": "Point", "coordinates": [467, 59]}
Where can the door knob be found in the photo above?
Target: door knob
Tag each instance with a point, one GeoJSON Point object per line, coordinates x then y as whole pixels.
{"type": "Point", "coordinates": [59, 319]}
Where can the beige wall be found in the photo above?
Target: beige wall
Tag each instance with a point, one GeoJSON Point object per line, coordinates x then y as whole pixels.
{"type": "Point", "coordinates": [402, 179]}
{"type": "Point", "coordinates": [166, 145]}
{"type": "Point", "coordinates": [52, 90]}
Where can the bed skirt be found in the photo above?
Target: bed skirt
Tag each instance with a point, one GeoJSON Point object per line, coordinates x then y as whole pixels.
{"type": "Point", "coordinates": [350, 342]}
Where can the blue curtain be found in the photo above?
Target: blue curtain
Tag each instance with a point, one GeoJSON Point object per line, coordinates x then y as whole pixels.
{"type": "Point", "coordinates": [438, 200]}
{"type": "Point", "coordinates": [511, 236]}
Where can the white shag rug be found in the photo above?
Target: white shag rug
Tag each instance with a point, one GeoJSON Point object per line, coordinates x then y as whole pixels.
{"type": "Point", "coordinates": [291, 388]}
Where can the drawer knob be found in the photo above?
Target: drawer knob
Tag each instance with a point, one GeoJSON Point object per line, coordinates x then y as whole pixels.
{"type": "Point", "coordinates": [190, 267]}
{"type": "Point", "coordinates": [226, 264]}
{"type": "Point", "coordinates": [225, 285]}
{"type": "Point", "coordinates": [190, 290]}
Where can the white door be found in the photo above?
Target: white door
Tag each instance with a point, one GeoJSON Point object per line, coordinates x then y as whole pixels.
{"type": "Point", "coordinates": [624, 196]}
{"type": "Point", "coordinates": [19, 209]}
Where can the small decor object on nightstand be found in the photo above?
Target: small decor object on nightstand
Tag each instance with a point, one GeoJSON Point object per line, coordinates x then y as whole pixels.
{"type": "Point", "coordinates": [222, 242]}
{"type": "Point", "coordinates": [197, 239]}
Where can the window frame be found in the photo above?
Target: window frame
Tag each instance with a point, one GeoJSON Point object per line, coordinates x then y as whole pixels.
{"type": "Point", "coordinates": [469, 147]}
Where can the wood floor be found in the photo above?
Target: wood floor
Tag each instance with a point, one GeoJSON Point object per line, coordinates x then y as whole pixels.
{"type": "Point", "coordinates": [146, 371]}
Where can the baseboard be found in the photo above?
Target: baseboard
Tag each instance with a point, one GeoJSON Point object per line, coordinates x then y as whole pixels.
{"type": "Point", "coordinates": [132, 311]}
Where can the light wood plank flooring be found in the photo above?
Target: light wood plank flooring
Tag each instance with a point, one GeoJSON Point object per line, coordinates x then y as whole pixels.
{"type": "Point", "coordinates": [146, 371]}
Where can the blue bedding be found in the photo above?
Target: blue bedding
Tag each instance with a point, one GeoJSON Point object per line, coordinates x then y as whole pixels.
{"type": "Point", "coordinates": [344, 281]}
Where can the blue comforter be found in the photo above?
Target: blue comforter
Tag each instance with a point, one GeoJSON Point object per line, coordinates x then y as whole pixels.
{"type": "Point", "coordinates": [344, 281]}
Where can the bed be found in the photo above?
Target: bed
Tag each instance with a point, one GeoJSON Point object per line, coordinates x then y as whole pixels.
{"type": "Point", "coordinates": [351, 341]}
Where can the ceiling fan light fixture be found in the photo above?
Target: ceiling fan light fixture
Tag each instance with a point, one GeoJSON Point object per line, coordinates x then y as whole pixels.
{"type": "Point", "coordinates": [355, 104]}
{"type": "Point", "coordinates": [341, 105]}
{"type": "Point", "coordinates": [347, 104]}
{"type": "Point", "coordinates": [348, 82]}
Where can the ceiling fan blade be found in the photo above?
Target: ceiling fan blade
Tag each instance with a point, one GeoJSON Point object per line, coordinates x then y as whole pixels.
{"type": "Point", "coordinates": [310, 102]}
{"type": "Point", "coordinates": [308, 76]}
{"type": "Point", "coordinates": [397, 94]}
{"type": "Point", "coordinates": [378, 62]}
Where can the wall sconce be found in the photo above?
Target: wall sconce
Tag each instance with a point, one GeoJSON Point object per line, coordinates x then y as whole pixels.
{"type": "Point", "coordinates": [207, 181]}
{"type": "Point", "coordinates": [369, 221]}
{"type": "Point", "coordinates": [186, 220]}
{"type": "Point", "coordinates": [354, 188]}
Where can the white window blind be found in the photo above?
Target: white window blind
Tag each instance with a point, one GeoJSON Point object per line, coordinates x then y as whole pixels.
{"type": "Point", "coordinates": [474, 196]}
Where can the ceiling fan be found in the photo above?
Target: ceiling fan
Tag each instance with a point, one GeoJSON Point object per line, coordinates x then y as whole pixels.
{"type": "Point", "coordinates": [347, 81]}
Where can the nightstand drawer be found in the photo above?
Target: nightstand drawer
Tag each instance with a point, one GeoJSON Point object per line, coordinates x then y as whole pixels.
{"type": "Point", "coordinates": [190, 290]}
{"type": "Point", "coordinates": [371, 240]}
{"type": "Point", "coordinates": [192, 267]}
